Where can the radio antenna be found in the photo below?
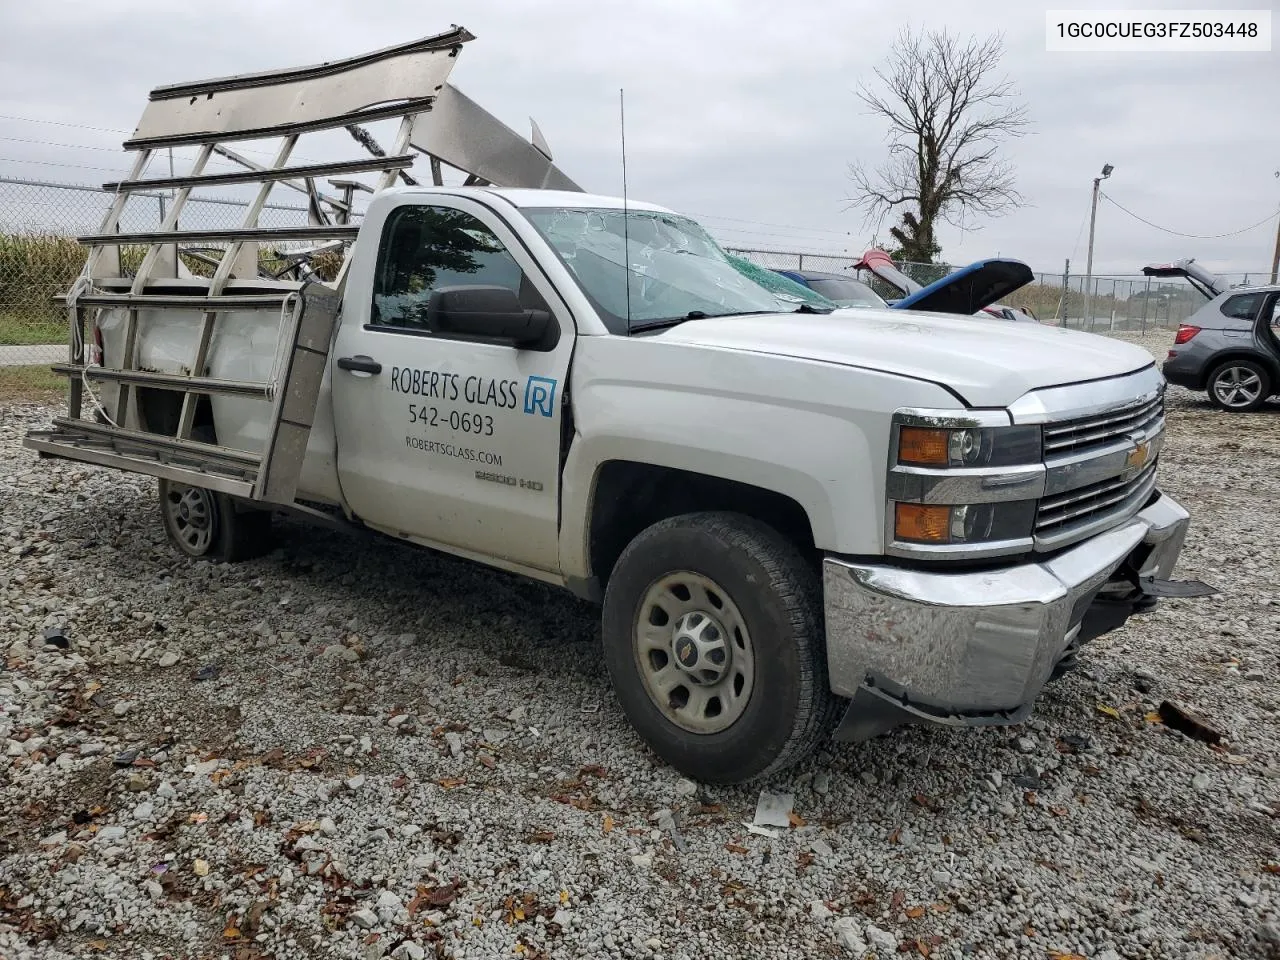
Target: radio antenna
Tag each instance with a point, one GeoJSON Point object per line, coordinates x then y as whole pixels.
{"type": "Point", "coordinates": [626, 234]}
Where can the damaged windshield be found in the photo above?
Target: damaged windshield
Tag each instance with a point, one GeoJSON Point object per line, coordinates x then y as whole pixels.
{"type": "Point", "coordinates": [676, 271]}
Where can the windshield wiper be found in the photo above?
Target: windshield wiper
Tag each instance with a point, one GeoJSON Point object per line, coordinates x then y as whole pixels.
{"type": "Point", "coordinates": [810, 308]}
{"type": "Point", "coordinates": [661, 322]}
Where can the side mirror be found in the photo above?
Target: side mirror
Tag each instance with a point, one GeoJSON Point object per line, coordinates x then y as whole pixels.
{"type": "Point", "coordinates": [485, 311]}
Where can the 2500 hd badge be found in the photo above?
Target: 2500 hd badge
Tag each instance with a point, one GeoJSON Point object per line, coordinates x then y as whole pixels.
{"type": "Point", "coordinates": [509, 481]}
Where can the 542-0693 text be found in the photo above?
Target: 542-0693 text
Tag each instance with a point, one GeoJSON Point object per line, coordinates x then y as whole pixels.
{"type": "Point", "coordinates": [480, 424]}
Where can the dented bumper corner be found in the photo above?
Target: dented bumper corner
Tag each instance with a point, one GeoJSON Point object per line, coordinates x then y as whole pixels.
{"type": "Point", "coordinates": [976, 648]}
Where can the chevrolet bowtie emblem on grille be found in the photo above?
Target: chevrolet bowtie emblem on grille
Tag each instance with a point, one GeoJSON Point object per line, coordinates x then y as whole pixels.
{"type": "Point", "coordinates": [1138, 456]}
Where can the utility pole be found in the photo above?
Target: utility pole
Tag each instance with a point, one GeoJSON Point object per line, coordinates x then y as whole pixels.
{"type": "Point", "coordinates": [1064, 302]}
{"type": "Point", "coordinates": [1146, 300]}
{"type": "Point", "coordinates": [1275, 258]}
{"type": "Point", "coordinates": [1088, 267]}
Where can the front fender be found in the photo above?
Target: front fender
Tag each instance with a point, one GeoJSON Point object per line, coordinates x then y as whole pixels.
{"type": "Point", "coordinates": [815, 432]}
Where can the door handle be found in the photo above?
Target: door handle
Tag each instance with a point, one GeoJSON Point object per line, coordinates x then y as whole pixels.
{"type": "Point", "coordinates": [359, 364]}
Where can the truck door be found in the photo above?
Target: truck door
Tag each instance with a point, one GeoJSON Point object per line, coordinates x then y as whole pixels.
{"type": "Point", "coordinates": [449, 439]}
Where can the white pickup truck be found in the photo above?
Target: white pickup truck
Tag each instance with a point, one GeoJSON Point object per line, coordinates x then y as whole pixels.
{"type": "Point", "coordinates": [797, 522]}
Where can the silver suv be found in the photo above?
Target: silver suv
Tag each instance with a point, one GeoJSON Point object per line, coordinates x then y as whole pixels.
{"type": "Point", "coordinates": [1230, 347]}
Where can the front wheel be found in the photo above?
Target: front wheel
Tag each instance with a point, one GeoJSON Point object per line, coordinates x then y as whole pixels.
{"type": "Point", "coordinates": [1240, 386]}
{"type": "Point", "coordinates": [714, 641]}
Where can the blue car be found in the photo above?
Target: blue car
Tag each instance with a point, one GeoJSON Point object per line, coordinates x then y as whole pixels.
{"type": "Point", "coordinates": [839, 289]}
{"type": "Point", "coordinates": [973, 289]}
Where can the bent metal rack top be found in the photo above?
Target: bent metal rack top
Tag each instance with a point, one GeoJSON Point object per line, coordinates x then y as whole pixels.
{"type": "Point", "coordinates": [406, 82]}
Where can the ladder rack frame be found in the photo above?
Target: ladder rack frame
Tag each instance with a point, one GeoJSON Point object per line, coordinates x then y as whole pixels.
{"type": "Point", "coordinates": [408, 82]}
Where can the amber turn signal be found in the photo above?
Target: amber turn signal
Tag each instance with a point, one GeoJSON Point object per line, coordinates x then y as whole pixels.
{"type": "Point", "coordinates": [923, 446]}
{"type": "Point", "coordinates": [921, 524]}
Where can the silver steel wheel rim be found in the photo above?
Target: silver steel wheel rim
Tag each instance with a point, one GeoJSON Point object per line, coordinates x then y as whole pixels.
{"type": "Point", "coordinates": [1237, 387]}
{"type": "Point", "coordinates": [694, 652]}
{"type": "Point", "coordinates": [192, 517]}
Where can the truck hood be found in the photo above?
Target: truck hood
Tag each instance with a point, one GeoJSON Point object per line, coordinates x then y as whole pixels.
{"type": "Point", "coordinates": [989, 363]}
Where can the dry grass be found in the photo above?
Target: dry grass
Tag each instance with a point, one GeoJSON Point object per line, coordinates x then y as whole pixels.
{"type": "Point", "coordinates": [15, 331]}
{"type": "Point", "coordinates": [36, 269]}
{"type": "Point", "coordinates": [34, 383]}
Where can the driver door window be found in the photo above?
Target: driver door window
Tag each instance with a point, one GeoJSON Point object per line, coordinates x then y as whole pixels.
{"type": "Point", "coordinates": [428, 248]}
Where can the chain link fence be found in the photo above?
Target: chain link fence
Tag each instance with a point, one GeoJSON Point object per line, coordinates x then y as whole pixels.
{"type": "Point", "coordinates": [40, 258]}
{"type": "Point", "coordinates": [1118, 303]}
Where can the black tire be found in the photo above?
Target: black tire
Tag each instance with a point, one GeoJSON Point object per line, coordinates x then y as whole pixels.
{"type": "Point", "coordinates": [776, 595]}
{"type": "Point", "coordinates": [1236, 378]}
{"type": "Point", "coordinates": [1066, 665]}
{"type": "Point", "coordinates": [207, 525]}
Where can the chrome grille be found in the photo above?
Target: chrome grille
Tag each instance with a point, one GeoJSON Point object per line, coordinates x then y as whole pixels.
{"type": "Point", "coordinates": [1074, 513]}
{"type": "Point", "coordinates": [1100, 430]}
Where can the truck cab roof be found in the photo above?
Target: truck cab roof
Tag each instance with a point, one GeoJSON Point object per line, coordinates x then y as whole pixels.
{"type": "Point", "coordinates": [528, 197]}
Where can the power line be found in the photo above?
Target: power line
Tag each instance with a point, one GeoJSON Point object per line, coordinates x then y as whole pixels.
{"type": "Point", "coordinates": [83, 126]}
{"type": "Point", "coordinates": [768, 233]}
{"type": "Point", "coordinates": [1192, 236]}
{"type": "Point", "coordinates": [794, 237]}
{"type": "Point", "coordinates": [61, 123]}
{"type": "Point", "coordinates": [52, 143]}
{"type": "Point", "coordinates": [766, 246]}
{"type": "Point", "coordinates": [214, 161]}
{"type": "Point", "coordinates": [55, 163]}
{"type": "Point", "coordinates": [1075, 247]}
{"type": "Point", "coordinates": [744, 236]}
{"type": "Point", "coordinates": [85, 146]}
{"type": "Point", "coordinates": [787, 234]}
{"type": "Point", "coordinates": [86, 166]}
{"type": "Point", "coordinates": [763, 223]}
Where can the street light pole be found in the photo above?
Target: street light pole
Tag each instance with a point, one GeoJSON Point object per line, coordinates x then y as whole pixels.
{"type": "Point", "coordinates": [1088, 267]}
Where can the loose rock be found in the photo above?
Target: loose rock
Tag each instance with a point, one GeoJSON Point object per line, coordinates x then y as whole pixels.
{"type": "Point", "coordinates": [849, 936]}
{"type": "Point", "coordinates": [1116, 855]}
{"type": "Point", "coordinates": [882, 940]}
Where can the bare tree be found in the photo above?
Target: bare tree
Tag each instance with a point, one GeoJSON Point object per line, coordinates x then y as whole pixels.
{"type": "Point", "coordinates": [947, 114]}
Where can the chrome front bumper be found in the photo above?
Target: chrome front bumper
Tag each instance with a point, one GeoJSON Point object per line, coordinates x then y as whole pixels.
{"type": "Point", "coordinates": [975, 648]}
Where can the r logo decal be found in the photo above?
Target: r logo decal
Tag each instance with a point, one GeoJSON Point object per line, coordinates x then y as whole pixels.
{"type": "Point", "coordinates": [540, 396]}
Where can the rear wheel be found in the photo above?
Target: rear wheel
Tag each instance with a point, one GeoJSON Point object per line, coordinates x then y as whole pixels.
{"type": "Point", "coordinates": [211, 526]}
{"type": "Point", "coordinates": [1240, 386]}
{"type": "Point", "coordinates": [713, 638]}
{"type": "Point", "coordinates": [208, 525]}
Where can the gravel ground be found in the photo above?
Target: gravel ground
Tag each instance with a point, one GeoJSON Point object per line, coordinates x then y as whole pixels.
{"type": "Point", "coordinates": [353, 749]}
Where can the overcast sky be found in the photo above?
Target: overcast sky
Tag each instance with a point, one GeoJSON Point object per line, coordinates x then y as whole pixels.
{"type": "Point", "coordinates": [741, 113]}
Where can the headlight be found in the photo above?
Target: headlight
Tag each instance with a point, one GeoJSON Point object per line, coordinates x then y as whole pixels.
{"type": "Point", "coordinates": [963, 523]}
{"type": "Point", "coordinates": [968, 447]}
{"type": "Point", "coordinates": [962, 484]}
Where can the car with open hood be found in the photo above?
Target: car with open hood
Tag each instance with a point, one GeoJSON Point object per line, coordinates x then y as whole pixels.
{"type": "Point", "coordinates": [973, 289]}
{"type": "Point", "coordinates": [1230, 347]}
{"type": "Point", "coordinates": [978, 285]}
